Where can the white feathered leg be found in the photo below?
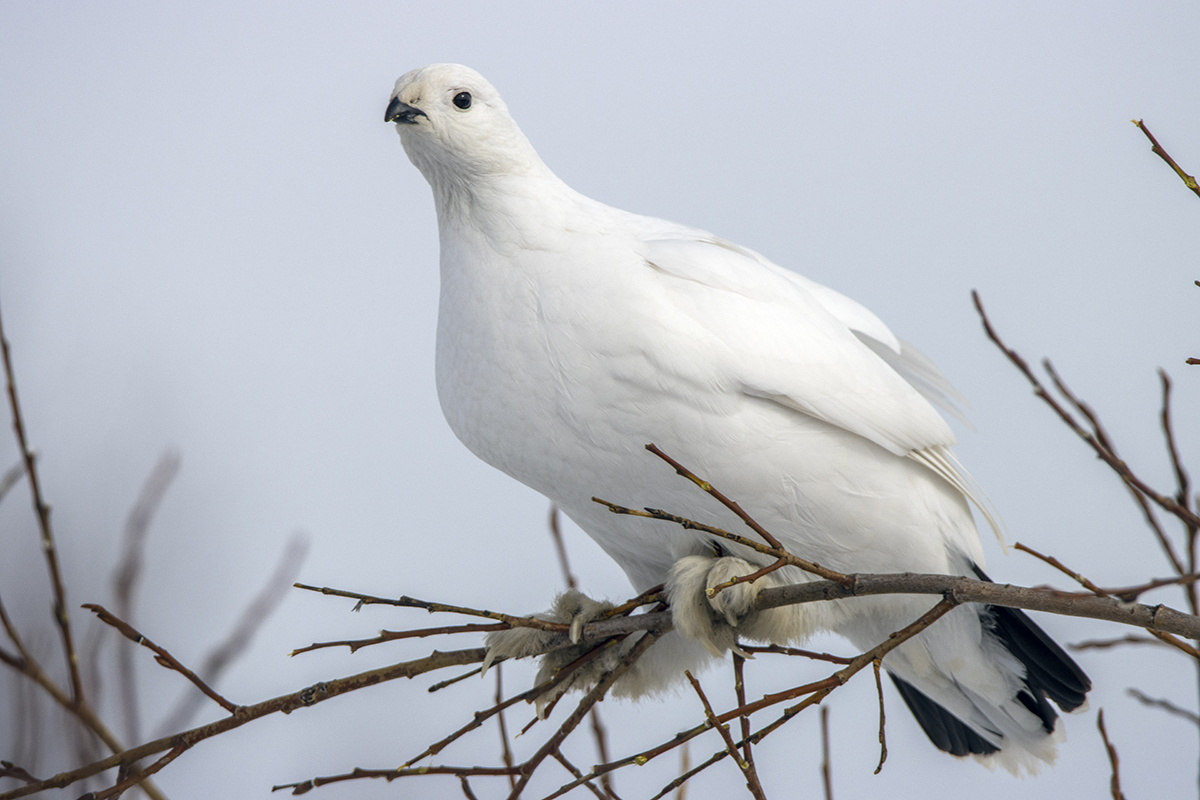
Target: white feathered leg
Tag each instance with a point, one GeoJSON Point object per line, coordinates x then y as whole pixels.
{"type": "Point", "coordinates": [716, 620]}
{"type": "Point", "coordinates": [570, 608]}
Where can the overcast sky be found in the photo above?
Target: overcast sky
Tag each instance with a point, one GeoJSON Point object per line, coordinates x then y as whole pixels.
{"type": "Point", "coordinates": [210, 241]}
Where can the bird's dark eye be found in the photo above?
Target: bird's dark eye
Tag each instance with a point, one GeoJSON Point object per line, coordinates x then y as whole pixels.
{"type": "Point", "coordinates": [463, 100]}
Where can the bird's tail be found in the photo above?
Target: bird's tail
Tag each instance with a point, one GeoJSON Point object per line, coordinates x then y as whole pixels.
{"type": "Point", "coordinates": [963, 716]}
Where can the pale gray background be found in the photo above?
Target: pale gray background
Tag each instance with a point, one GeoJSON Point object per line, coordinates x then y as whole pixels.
{"type": "Point", "coordinates": [210, 240]}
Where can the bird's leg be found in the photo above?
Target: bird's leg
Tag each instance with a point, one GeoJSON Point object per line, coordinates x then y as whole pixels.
{"type": "Point", "coordinates": [711, 620]}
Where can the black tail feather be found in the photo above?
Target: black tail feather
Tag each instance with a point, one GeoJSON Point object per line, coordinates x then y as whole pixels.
{"type": "Point", "coordinates": [945, 730]}
{"type": "Point", "coordinates": [1049, 672]}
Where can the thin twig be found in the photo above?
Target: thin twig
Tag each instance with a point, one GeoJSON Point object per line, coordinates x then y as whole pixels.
{"type": "Point", "coordinates": [747, 768]}
{"type": "Point", "coordinates": [689, 524]}
{"type": "Point", "coordinates": [140, 776]}
{"type": "Point", "coordinates": [1114, 783]}
{"type": "Point", "coordinates": [505, 750]}
{"type": "Point", "coordinates": [561, 548]}
{"type": "Point", "coordinates": [161, 655]}
{"type": "Point", "coordinates": [576, 772]}
{"type": "Point", "coordinates": [309, 696]}
{"type": "Point", "coordinates": [739, 690]}
{"type": "Point", "coordinates": [882, 718]}
{"type": "Point", "coordinates": [576, 716]}
{"type": "Point", "coordinates": [774, 543]}
{"type": "Point", "coordinates": [1182, 484]}
{"type": "Point", "coordinates": [355, 645]}
{"type": "Point", "coordinates": [412, 602]}
{"type": "Point", "coordinates": [1105, 441]}
{"type": "Point", "coordinates": [127, 575]}
{"type": "Point", "coordinates": [42, 510]}
{"type": "Point", "coordinates": [795, 651]}
{"type": "Point", "coordinates": [1165, 705]}
{"type": "Point", "coordinates": [1096, 590]}
{"type": "Point", "coordinates": [1158, 150]}
{"type": "Point", "coordinates": [390, 775]}
{"type": "Point", "coordinates": [816, 692]}
{"type": "Point", "coordinates": [826, 766]}
{"type": "Point", "coordinates": [1120, 467]}
{"type": "Point", "coordinates": [241, 635]}
{"type": "Point", "coordinates": [11, 478]}
{"type": "Point", "coordinates": [1104, 644]}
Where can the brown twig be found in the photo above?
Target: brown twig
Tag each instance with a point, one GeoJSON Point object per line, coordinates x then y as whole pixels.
{"type": "Point", "coordinates": [1165, 705]}
{"type": "Point", "coordinates": [161, 655]}
{"type": "Point", "coordinates": [882, 717]}
{"type": "Point", "coordinates": [1120, 467]}
{"type": "Point", "coordinates": [127, 575]}
{"type": "Point", "coordinates": [1182, 484]}
{"type": "Point", "coordinates": [355, 645]}
{"type": "Point", "coordinates": [576, 772]}
{"type": "Point", "coordinates": [138, 777]}
{"type": "Point", "coordinates": [309, 696]}
{"type": "Point", "coordinates": [42, 510]}
{"type": "Point", "coordinates": [1158, 150]}
{"type": "Point", "coordinates": [1096, 590]}
{"type": "Point", "coordinates": [1114, 783]}
{"type": "Point", "coordinates": [826, 766]}
{"type": "Point", "coordinates": [1106, 442]}
{"type": "Point", "coordinates": [1104, 644]}
{"type": "Point", "coordinates": [774, 543]}
{"type": "Point", "coordinates": [239, 638]}
{"type": "Point", "coordinates": [750, 578]}
{"type": "Point", "coordinates": [445, 608]}
{"type": "Point", "coordinates": [389, 775]}
{"type": "Point", "coordinates": [11, 770]}
{"type": "Point", "coordinates": [816, 692]}
{"type": "Point", "coordinates": [505, 750]}
{"type": "Point", "coordinates": [576, 716]}
{"type": "Point", "coordinates": [795, 651]}
{"type": "Point", "coordinates": [11, 478]}
{"type": "Point", "coordinates": [561, 548]}
{"type": "Point", "coordinates": [748, 771]}
{"type": "Point", "coordinates": [689, 524]}
{"type": "Point", "coordinates": [739, 691]}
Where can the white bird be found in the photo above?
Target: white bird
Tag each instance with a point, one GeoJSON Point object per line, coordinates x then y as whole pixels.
{"type": "Point", "coordinates": [571, 334]}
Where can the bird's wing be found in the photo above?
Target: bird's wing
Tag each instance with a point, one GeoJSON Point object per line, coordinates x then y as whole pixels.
{"type": "Point", "coordinates": [785, 344]}
{"type": "Point", "coordinates": [806, 347]}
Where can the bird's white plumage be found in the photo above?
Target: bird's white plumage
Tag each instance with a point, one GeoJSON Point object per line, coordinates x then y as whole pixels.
{"type": "Point", "coordinates": [570, 334]}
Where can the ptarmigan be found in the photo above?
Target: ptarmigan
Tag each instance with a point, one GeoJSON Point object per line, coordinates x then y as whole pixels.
{"type": "Point", "coordinates": [571, 334]}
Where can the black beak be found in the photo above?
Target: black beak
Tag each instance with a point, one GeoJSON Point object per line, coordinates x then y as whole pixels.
{"type": "Point", "coordinates": [402, 112]}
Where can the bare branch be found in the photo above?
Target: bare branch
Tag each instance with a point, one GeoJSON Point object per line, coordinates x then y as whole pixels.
{"type": "Point", "coordinates": [309, 696]}
{"type": "Point", "coordinates": [590, 699]}
{"type": "Point", "coordinates": [739, 690]}
{"type": "Point", "coordinates": [882, 717]}
{"type": "Point", "coordinates": [1104, 644]}
{"type": "Point", "coordinates": [127, 574]}
{"type": "Point", "coordinates": [11, 478]}
{"type": "Point", "coordinates": [1115, 782]}
{"type": "Point", "coordinates": [746, 767]}
{"type": "Point", "coordinates": [1165, 705]}
{"type": "Point", "coordinates": [505, 750]}
{"type": "Point", "coordinates": [826, 766]}
{"type": "Point", "coordinates": [561, 548]}
{"type": "Point", "coordinates": [243, 632]}
{"type": "Point", "coordinates": [1087, 584]}
{"type": "Point", "coordinates": [1118, 466]}
{"type": "Point", "coordinates": [1158, 150]}
{"type": "Point", "coordinates": [161, 655]}
{"type": "Point", "coordinates": [42, 510]}
{"type": "Point", "coordinates": [807, 566]}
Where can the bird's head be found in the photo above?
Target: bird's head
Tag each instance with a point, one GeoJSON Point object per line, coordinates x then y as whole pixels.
{"type": "Point", "coordinates": [455, 127]}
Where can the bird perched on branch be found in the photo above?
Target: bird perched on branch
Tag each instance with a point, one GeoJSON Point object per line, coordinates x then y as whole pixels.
{"type": "Point", "coordinates": [571, 334]}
